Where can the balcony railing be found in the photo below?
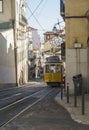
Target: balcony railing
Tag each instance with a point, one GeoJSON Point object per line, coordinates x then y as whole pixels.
{"type": "Point", "coordinates": [6, 25]}
{"type": "Point", "coordinates": [23, 19]}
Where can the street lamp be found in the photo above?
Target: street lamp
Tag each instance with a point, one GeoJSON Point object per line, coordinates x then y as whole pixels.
{"type": "Point", "coordinates": [55, 28]}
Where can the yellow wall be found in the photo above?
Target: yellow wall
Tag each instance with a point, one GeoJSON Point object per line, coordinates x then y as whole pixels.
{"type": "Point", "coordinates": [47, 46]}
{"type": "Point", "coordinates": [76, 28]}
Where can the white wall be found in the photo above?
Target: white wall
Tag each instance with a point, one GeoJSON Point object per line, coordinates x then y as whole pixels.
{"type": "Point", "coordinates": [22, 46]}
{"type": "Point", "coordinates": [76, 63]}
{"type": "Point", "coordinates": [11, 11]}
{"type": "Point", "coordinates": [7, 64]}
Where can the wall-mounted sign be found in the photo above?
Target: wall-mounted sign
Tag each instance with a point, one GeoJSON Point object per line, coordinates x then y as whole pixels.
{"type": "Point", "coordinates": [77, 45]}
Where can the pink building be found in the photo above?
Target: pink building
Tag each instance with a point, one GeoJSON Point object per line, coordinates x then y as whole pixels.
{"type": "Point", "coordinates": [34, 38]}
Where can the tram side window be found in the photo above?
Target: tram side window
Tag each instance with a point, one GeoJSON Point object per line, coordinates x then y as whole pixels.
{"type": "Point", "coordinates": [47, 69]}
{"type": "Point", "coordinates": [58, 68]}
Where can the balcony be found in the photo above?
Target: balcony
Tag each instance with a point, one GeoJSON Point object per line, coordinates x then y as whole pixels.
{"type": "Point", "coordinates": [23, 19]}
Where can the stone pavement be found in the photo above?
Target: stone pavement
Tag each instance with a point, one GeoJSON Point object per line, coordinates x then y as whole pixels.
{"type": "Point", "coordinates": [35, 82]}
{"type": "Point", "coordinates": [75, 112]}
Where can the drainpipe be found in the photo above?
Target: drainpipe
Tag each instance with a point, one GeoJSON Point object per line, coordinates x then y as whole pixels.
{"type": "Point", "coordinates": [15, 52]}
{"type": "Point", "coordinates": [87, 14]}
{"type": "Point", "coordinates": [13, 4]}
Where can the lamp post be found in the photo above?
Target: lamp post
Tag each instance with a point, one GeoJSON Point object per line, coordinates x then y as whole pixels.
{"type": "Point", "coordinates": [55, 30]}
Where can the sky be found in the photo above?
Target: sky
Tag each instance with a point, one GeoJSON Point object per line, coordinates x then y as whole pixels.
{"type": "Point", "coordinates": [43, 14]}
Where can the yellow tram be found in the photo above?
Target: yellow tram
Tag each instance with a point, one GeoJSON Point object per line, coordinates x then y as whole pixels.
{"type": "Point", "coordinates": [53, 71]}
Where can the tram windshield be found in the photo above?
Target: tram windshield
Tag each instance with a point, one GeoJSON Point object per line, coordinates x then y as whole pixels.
{"type": "Point", "coordinates": [53, 68]}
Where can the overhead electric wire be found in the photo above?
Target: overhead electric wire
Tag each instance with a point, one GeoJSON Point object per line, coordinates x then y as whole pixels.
{"type": "Point", "coordinates": [35, 9]}
{"type": "Point", "coordinates": [35, 18]}
{"type": "Point", "coordinates": [43, 7]}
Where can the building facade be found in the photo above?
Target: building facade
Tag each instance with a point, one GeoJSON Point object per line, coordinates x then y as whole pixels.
{"type": "Point", "coordinates": [13, 43]}
{"type": "Point", "coordinates": [77, 41]}
{"type": "Point", "coordinates": [34, 52]}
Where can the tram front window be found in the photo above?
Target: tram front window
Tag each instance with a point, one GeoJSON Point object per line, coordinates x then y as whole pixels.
{"type": "Point", "coordinates": [50, 69]}
{"type": "Point", "coordinates": [53, 68]}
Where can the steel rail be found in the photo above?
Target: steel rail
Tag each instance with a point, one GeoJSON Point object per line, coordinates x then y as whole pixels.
{"type": "Point", "coordinates": [31, 105]}
{"type": "Point", "coordinates": [19, 100]}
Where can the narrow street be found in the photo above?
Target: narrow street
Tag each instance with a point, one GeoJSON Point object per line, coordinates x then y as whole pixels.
{"type": "Point", "coordinates": [33, 107]}
{"type": "Point", "coordinates": [44, 42]}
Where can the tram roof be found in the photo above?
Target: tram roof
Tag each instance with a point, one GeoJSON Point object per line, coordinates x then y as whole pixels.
{"type": "Point", "coordinates": [53, 62]}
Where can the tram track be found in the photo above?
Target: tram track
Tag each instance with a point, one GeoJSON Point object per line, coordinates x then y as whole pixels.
{"type": "Point", "coordinates": [7, 98]}
{"type": "Point", "coordinates": [18, 99]}
{"type": "Point", "coordinates": [16, 108]}
{"type": "Point", "coordinates": [7, 92]}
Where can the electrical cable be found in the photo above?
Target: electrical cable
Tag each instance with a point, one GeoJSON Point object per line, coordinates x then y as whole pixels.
{"type": "Point", "coordinates": [35, 19]}
{"type": "Point", "coordinates": [43, 7]}
{"type": "Point", "coordinates": [35, 9]}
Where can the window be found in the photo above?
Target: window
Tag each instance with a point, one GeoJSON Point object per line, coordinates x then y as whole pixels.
{"type": "Point", "coordinates": [47, 69]}
{"type": "Point", "coordinates": [1, 4]}
{"type": "Point", "coordinates": [48, 37]}
{"type": "Point", "coordinates": [62, 7]}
